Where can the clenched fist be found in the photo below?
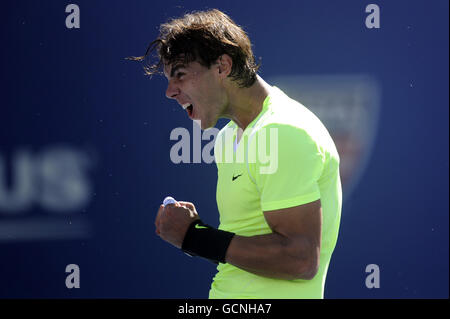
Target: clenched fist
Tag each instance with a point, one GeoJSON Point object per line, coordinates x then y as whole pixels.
{"type": "Point", "coordinates": [172, 221]}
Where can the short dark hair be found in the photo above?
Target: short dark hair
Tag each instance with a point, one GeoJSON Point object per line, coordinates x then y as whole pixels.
{"type": "Point", "coordinates": [203, 36]}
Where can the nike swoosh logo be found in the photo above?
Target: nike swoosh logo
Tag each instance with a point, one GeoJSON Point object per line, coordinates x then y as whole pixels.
{"type": "Point", "coordinates": [234, 177]}
{"type": "Point", "coordinates": [200, 227]}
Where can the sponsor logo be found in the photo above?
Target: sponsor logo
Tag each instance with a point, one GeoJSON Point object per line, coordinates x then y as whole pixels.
{"type": "Point", "coordinates": [234, 177]}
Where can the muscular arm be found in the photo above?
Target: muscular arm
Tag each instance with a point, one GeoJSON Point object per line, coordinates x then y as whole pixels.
{"type": "Point", "coordinates": [291, 251]}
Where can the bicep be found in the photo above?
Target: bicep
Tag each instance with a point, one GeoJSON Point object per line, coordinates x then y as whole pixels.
{"type": "Point", "coordinates": [303, 221]}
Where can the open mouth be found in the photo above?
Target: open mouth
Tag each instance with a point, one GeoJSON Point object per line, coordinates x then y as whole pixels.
{"type": "Point", "coordinates": [189, 109]}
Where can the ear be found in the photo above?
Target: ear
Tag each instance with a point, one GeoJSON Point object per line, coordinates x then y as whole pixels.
{"type": "Point", "coordinates": [225, 64]}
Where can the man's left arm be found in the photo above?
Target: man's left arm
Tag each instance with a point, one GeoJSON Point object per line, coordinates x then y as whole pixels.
{"type": "Point", "coordinates": [291, 251]}
{"type": "Point", "coordinates": [290, 202]}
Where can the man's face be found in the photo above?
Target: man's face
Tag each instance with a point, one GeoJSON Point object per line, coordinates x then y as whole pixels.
{"type": "Point", "coordinates": [198, 90]}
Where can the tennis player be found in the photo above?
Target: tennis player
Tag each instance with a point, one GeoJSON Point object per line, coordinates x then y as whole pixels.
{"type": "Point", "coordinates": [278, 223]}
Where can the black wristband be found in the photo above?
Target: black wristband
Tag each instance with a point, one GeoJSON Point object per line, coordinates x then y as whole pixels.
{"type": "Point", "coordinates": [206, 241]}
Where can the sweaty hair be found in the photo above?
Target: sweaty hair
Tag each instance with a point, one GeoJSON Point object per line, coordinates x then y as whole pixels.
{"type": "Point", "coordinates": [203, 36]}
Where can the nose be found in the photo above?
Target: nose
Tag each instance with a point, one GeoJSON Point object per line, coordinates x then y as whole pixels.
{"type": "Point", "coordinates": [172, 91]}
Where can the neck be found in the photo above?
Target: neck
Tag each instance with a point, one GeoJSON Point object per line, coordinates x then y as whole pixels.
{"type": "Point", "coordinates": [246, 103]}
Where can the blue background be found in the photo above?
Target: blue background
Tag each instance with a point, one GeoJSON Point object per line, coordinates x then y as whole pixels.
{"type": "Point", "coordinates": [73, 86]}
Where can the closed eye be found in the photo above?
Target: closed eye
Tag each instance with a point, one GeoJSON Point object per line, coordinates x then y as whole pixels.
{"type": "Point", "coordinates": [179, 75]}
{"type": "Point", "coordinates": [176, 70]}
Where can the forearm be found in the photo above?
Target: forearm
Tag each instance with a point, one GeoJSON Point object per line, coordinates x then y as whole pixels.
{"type": "Point", "coordinates": [273, 255]}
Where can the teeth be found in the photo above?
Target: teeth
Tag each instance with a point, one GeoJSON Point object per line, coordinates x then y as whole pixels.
{"type": "Point", "coordinates": [185, 105]}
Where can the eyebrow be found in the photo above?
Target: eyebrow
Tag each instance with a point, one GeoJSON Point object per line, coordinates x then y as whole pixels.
{"type": "Point", "coordinates": [175, 68]}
